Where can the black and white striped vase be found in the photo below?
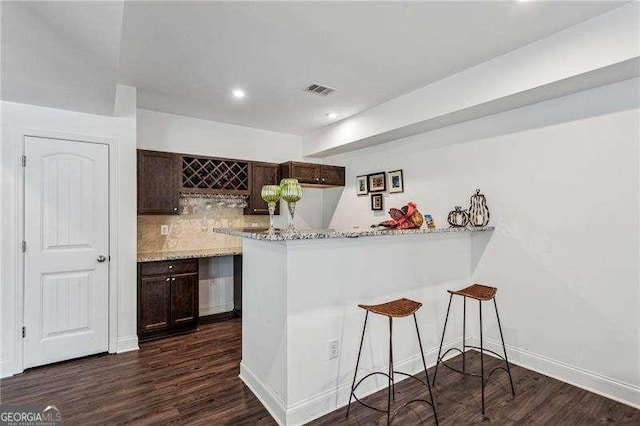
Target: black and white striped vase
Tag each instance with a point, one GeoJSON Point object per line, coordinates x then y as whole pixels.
{"type": "Point", "coordinates": [478, 211]}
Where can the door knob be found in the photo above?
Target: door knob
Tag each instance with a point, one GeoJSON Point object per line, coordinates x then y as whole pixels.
{"type": "Point", "coordinates": [101, 258]}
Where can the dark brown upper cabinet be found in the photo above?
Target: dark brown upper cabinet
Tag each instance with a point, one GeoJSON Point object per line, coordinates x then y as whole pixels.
{"type": "Point", "coordinates": [309, 174]}
{"type": "Point", "coordinates": [158, 178]}
{"type": "Point", "coordinates": [331, 175]}
{"type": "Point", "coordinates": [262, 174]}
{"type": "Point", "coordinates": [304, 172]}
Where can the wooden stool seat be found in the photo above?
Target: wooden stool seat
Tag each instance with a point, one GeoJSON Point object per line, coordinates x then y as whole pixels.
{"type": "Point", "coordinates": [477, 291]}
{"type": "Point", "coordinates": [396, 308]}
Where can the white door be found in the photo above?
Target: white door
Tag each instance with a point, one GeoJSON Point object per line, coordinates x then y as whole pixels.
{"type": "Point", "coordinates": [66, 291]}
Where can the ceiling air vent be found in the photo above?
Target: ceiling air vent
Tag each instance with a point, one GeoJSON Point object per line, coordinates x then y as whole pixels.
{"type": "Point", "coordinates": [318, 89]}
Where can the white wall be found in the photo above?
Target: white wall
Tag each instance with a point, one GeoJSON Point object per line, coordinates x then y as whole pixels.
{"type": "Point", "coordinates": [175, 133]}
{"type": "Point", "coordinates": [22, 118]}
{"type": "Point", "coordinates": [216, 285]}
{"type": "Point", "coordinates": [562, 182]}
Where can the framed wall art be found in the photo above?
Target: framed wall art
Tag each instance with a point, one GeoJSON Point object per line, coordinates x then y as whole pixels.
{"type": "Point", "coordinates": [396, 181]}
{"type": "Point", "coordinates": [377, 182]}
{"type": "Point", "coordinates": [362, 186]}
{"type": "Point", "coordinates": [376, 202]}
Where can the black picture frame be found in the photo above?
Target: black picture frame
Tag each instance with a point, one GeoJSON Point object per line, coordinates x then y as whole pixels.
{"type": "Point", "coordinates": [362, 179]}
{"type": "Point", "coordinates": [398, 177]}
{"type": "Point", "coordinates": [377, 202]}
{"type": "Point", "coordinates": [377, 182]}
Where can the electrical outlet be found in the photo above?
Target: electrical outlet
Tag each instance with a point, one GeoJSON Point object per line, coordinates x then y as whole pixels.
{"type": "Point", "coordinates": [164, 229]}
{"type": "Point", "coordinates": [334, 349]}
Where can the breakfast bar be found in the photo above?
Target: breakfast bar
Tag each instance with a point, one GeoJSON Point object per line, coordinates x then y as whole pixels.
{"type": "Point", "coordinates": [301, 325]}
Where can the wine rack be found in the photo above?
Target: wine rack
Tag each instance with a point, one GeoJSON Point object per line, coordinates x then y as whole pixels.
{"type": "Point", "coordinates": [215, 175]}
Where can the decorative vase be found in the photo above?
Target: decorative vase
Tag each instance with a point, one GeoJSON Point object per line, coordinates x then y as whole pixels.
{"type": "Point", "coordinates": [478, 211]}
{"type": "Point", "coordinates": [271, 195]}
{"type": "Point", "coordinates": [291, 193]}
{"type": "Point", "coordinates": [458, 218]}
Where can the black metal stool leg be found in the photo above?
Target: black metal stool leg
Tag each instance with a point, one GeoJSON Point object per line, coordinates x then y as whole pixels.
{"type": "Point", "coordinates": [393, 378]}
{"type": "Point", "coordinates": [426, 373]}
{"type": "Point", "coordinates": [504, 348]}
{"type": "Point", "coordinates": [364, 327]}
{"type": "Point", "coordinates": [481, 356]}
{"type": "Point", "coordinates": [444, 329]}
{"type": "Point", "coordinates": [464, 334]}
{"type": "Point", "coordinates": [391, 385]}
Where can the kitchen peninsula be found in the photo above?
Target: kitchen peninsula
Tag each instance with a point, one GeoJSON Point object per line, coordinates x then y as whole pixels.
{"type": "Point", "coordinates": [300, 294]}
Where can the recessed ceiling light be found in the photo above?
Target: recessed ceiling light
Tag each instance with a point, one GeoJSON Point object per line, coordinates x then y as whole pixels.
{"type": "Point", "coordinates": [238, 93]}
{"type": "Point", "coordinates": [331, 115]}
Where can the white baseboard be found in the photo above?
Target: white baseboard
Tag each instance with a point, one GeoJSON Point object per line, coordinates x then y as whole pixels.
{"type": "Point", "coordinates": [593, 382]}
{"type": "Point", "coordinates": [326, 402]}
{"type": "Point", "coordinates": [126, 344]}
{"type": "Point", "coordinates": [123, 344]}
{"type": "Point", "coordinates": [216, 309]}
{"type": "Point", "coordinates": [8, 368]}
{"type": "Point", "coordinates": [270, 400]}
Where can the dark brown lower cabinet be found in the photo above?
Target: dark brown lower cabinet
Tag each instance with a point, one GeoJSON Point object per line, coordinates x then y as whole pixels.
{"type": "Point", "coordinates": [167, 298]}
{"type": "Point", "coordinates": [184, 299]}
{"type": "Point", "coordinates": [153, 304]}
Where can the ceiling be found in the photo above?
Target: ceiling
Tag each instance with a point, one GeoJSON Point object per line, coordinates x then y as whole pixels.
{"type": "Point", "coordinates": [61, 54]}
{"type": "Point", "coordinates": [187, 57]}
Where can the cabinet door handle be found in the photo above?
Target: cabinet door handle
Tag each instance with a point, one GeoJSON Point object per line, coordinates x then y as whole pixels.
{"type": "Point", "coordinates": [170, 266]}
{"type": "Point", "coordinates": [323, 179]}
{"type": "Point", "coordinates": [173, 279]}
{"type": "Point", "coordinates": [168, 279]}
{"type": "Point", "coordinates": [175, 209]}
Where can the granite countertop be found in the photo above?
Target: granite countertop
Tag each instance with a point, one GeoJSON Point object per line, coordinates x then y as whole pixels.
{"type": "Point", "coordinates": [152, 256]}
{"type": "Point", "coordinates": [311, 234]}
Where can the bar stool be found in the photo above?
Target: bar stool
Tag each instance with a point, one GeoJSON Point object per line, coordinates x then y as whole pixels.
{"type": "Point", "coordinates": [481, 293]}
{"type": "Point", "coordinates": [395, 309]}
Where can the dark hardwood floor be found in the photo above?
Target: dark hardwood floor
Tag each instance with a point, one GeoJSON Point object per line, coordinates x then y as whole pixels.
{"type": "Point", "coordinates": [193, 379]}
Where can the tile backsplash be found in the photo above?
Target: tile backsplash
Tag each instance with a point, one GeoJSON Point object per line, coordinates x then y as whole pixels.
{"type": "Point", "coordinates": [194, 231]}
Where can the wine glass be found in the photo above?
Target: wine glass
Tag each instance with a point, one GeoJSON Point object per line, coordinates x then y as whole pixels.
{"type": "Point", "coordinates": [193, 203]}
{"type": "Point", "coordinates": [243, 202]}
{"type": "Point", "coordinates": [291, 193]}
{"type": "Point", "coordinates": [271, 195]}
{"type": "Point", "coordinates": [184, 205]}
